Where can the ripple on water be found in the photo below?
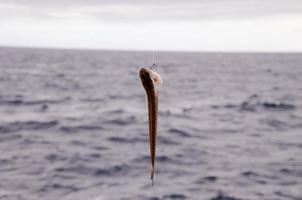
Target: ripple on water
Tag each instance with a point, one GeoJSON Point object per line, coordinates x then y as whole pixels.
{"type": "Point", "coordinates": [29, 125]}
{"type": "Point", "coordinates": [75, 129]}
{"type": "Point", "coordinates": [122, 121]}
{"type": "Point", "coordinates": [126, 140]}
{"type": "Point", "coordinates": [207, 179]}
{"type": "Point", "coordinates": [278, 106]}
{"type": "Point", "coordinates": [154, 198]}
{"type": "Point", "coordinates": [21, 102]}
{"type": "Point", "coordinates": [9, 137]}
{"type": "Point", "coordinates": [55, 157]}
{"type": "Point", "coordinates": [115, 170]}
{"type": "Point", "coordinates": [179, 132]}
{"type": "Point", "coordinates": [221, 196]}
{"type": "Point", "coordinates": [254, 103]}
{"type": "Point", "coordinates": [166, 140]}
{"type": "Point", "coordinates": [112, 171]}
{"type": "Point", "coordinates": [249, 174]}
{"type": "Point", "coordinates": [287, 196]}
{"type": "Point", "coordinates": [175, 196]}
{"type": "Point", "coordinates": [59, 186]}
{"type": "Point", "coordinates": [278, 124]}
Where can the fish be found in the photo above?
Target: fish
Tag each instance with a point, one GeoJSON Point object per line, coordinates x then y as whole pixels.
{"type": "Point", "coordinates": [149, 78]}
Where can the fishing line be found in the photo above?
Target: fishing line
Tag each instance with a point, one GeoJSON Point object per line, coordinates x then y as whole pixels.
{"type": "Point", "coordinates": [154, 60]}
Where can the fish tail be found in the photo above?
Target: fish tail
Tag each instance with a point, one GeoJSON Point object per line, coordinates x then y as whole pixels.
{"type": "Point", "coordinates": [152, 174]}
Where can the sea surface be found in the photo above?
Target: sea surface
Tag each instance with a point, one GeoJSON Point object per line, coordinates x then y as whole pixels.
{"type": "Point", "coordinates": [74, 126]}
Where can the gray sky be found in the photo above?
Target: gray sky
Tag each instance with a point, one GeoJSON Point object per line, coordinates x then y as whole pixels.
{"type": "Point", "coordinates": [198, 25]}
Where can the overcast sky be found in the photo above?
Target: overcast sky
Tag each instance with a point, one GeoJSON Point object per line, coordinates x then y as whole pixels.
{"type": "Point", "coordinates": [185, 25]}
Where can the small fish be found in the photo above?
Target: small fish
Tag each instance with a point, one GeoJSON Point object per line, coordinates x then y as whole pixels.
{"type": "Point", "coordinates": [149, 78]}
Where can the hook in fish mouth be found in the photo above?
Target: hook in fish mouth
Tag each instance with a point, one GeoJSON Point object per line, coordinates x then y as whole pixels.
{"type": "Point", "coordinates": [149, 78]}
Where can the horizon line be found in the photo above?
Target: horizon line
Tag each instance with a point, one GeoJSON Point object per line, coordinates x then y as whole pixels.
{"type": "Point", "coordinates": [147, 50]}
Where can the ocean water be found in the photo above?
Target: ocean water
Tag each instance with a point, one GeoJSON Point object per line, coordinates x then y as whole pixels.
{"type": "Point", "coordinates": [73, 126]}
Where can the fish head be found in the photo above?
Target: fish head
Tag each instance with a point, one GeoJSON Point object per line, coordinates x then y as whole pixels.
{"type": "Point", "coordinates": [149, 76]}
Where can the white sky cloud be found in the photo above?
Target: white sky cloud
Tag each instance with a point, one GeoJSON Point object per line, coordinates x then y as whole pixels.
{"type": "Point", "coordinates": [217, 25]}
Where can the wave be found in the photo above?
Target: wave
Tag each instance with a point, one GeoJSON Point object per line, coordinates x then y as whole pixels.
{"type": "Point", "coordinates": [278, 106]}
{"type": "Point", "coordinates": [74, 129]}
{"type": "Point", "coordinates": [179, 132]}
{"type": "Point", "coordinates": [92, 100]}
{"type": "Point", "coordinates": [287, 196]}
{"type": "Point", "coordinates": [122, 121]}
{"type": "Point", "coordinates": [126, 140]}
{"type": "Point", "coordinates": [254, 103]}
{"type": "Point", "coordinates": [115, 170]}
{"type": "Point", "coordinates": [250, 174]}
{"type": "Point", "coordinates": [207, 179]}
{"type": "Point", "coordinates": [116, 111]}
{"type": "Point", "coordinates": [55, 157]}
{"type": "Point", "coordinates": [19, 102]}
{"type": "Point", "coordinates": [111, 171]}
{"type": "Point", "coordinates": [221, 196]}
{"type": "Point", "coordinates": [58, 186]}
{"type": "Point", "coordinates": [9, 137]}
{"type": "Point", "coordinates": [175, 196]}
{"type": "Point", "coordinates": [29, 125]}
{"type": "Point", "coordinates": [166, 141]}
{"type": "Point", "coordinates": [179, 113]}
{"type": "Point", "coordinates": [276, 123]}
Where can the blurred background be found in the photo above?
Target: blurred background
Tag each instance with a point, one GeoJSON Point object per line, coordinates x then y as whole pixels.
{"type": "Point", "coordinates": [217, 25]}
{"type": "Point", "coordinates": [74, 121]}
